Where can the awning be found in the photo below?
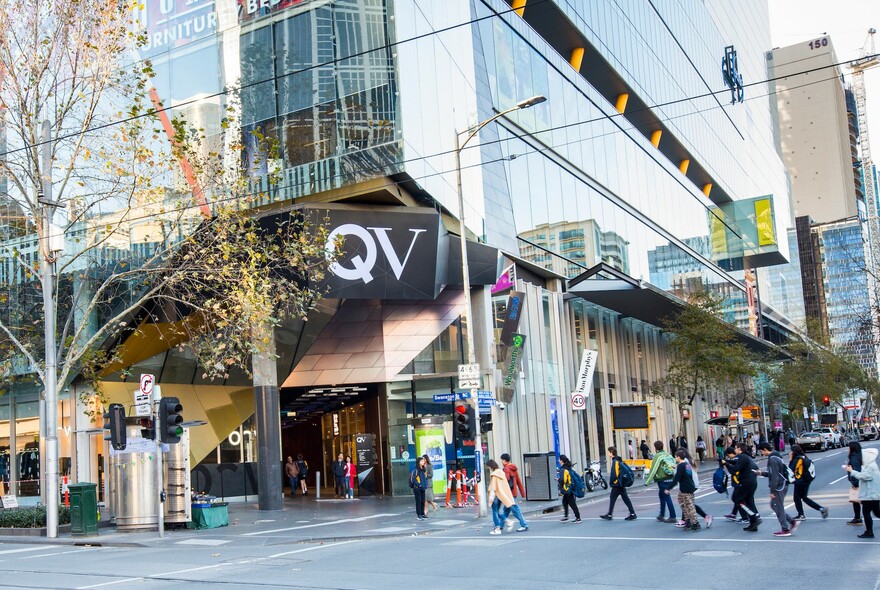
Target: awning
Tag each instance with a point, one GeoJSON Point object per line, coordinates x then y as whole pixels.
{"type": "Point", "coordinates": [630, 297]}
{"type": "Point", "coordinates": [725, 421]}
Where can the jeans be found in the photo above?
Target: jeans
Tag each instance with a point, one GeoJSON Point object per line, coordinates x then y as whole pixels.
{"type": "Point", "coordinates": [665, 499]}
{"type": "Point", "coordinates": [340, 485]}
{"type": "Point", "coordinates": [777, 505]}
{"type": "Point", "coordinates": [620, 492]}
{"type": "Point", "coordinates": [497, 519]}
{"type": "Point", "coordinates": [568, 500]}
{"type": "Point", "coordinates": [419, 494]}
{"type": "Point", "coordinates": [800, 498]}
{"type": "Point", "coordinates": [294, 484]}
{"type": "Point", "coordinates": [517, 513]}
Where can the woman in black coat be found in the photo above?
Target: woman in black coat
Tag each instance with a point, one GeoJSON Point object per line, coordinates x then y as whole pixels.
{"type": "Point", "coordinates": [855, 460]}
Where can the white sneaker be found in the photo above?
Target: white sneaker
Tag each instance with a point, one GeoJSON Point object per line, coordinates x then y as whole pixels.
{"type": "Point", "coordinates": [495, 531]}
{"type": "Point", "coordinates": [509, 524]}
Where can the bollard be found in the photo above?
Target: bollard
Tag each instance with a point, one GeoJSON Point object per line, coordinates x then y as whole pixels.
{"type": "Point", "coordinates": [318, 485]}
{"type": "Point", "coordinates": [458, 489]}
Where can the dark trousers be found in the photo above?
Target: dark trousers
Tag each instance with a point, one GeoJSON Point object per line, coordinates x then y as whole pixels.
{"type": "Point", "coordinates": [857, 511]}
{"type": "Point", "coordinates": [568, 501]}
{"type": "Point", "coordinates": [665, 499]}
{"type": "Point", "coordinates": [800, 498]}
{"type": "Point", "coordinates": [620, 492]}
{"type": "Point", "coordinates": [744, 498]}
{"type": "Point", "coordinates": [870, 507]}
{"type": "Point", "coordinates": [419, 494]}
{"type": "Point", "coordinates": [340, 485]}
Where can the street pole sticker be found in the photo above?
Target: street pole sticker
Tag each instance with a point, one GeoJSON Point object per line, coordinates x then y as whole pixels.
{"type": "Point", "coordinates": [578, 401]}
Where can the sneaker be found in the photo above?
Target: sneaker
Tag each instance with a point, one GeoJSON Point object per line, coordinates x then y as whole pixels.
{"type": "Point", "coordinates": [824, 512]}
{"type": "Point", "coordinates": [419, 518]}
{"type": "Point", "coordinates": [782, 533]}
{"type": "Point", "coordinates": [424, 517]}
{"type": "Point", "coordinates": [709, 519]}
{"type": "Point", "coordinates": [522, 529]}
{"type": "Point", "coordinates": [741, 520]}
{"type": "Point", "coordinates": [671, 519]}
{"type": "Point", "coordinates": [605, 516]}
{"type": "Point", "coordinates": [631, 517]}
{"type": "Point", "coordinates": [794, 525]}
{"type": "Point", "coordinates": [564, 518]}
{"type": "Point", "coordinates": [855, 522]}
{"type": "Point", "coordinates": [694, 527]}
{"type": "Point", "coordinates": [509, 525]}
{"type": "Point", "coordinates": [800, 517]}
{"type": "Point", "coordinates": [752, 528]}
{"type": "Point", "coordinates": [495, 531]}
{"type": "Point", "coordinates": [866, 535]}
{"type": "Point", "coordinates": [661, 518]}
{"type": "Point", "coordinates": [680, 524]}
{"type": "Point", "coordinates": [577, 521]}
{"type": "Point", "coordinates": [731, 517]}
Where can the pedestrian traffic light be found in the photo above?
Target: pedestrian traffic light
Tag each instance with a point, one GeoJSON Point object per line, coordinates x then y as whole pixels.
{"type": "Point", "coordinates": [464, 421]}
{"type": "Point", "coordinates": [170, 419]}
{"type": "Point", "coordinates": [114, 421]}
{"type": "Point", "coordinates": [148, 429]}
{"type": "Point", "coordinates": [827, 400]}
{"type": "Point", "coordinates": [486, 422]}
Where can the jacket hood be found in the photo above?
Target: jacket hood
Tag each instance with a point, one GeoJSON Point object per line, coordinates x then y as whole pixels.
{"type": "Point", "coordinates": [511, 468]}
{"type": "Point", "coordinates": [869, 455]}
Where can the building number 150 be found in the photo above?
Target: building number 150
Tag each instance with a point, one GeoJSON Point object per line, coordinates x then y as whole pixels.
{"type": "Point", "coordinates": [823, 42]}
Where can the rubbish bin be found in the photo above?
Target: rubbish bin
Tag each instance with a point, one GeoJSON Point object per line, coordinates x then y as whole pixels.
{"type": "Point", "coordinates": [83, 509]}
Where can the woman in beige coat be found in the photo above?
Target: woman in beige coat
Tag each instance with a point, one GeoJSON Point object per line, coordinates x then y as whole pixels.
{"type": "Point", "coordinates": [500, 495]}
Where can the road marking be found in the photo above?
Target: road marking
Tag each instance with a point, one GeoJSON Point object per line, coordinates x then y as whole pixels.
{"type": "Point", "coordinates": [52, 554]}
{"type": "Point", "coordinates": [328, 523]}
{"type": "Point", "coordinates": [40, 548]}
{"type": "Point", "coordinates": [692, 539]}
{"type": "Point", "coordinates": [837, 480]}
{"type": "Point", "coordinates": [214, 566]}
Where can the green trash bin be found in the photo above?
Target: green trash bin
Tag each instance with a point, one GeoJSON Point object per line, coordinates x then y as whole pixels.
{"type": "Point", "coordinates": [83, 509]}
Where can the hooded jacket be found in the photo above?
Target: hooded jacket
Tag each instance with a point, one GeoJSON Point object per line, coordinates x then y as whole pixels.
{"type": "Point", "coordinates": [499, 489]}
{"type": "Point", "coordinates": [869, 476]}
{"type": "Point", "coordinates": [776, 472]}
{"type": "Point", "coordinates": [656, 473]}
{"type": "Point", "coordinates": [511, 472]}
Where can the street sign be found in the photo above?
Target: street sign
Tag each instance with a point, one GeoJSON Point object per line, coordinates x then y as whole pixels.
{"type": "Point", "coordinates": [449, 397]}
{"type": "Point", "coordinates": [469, 376]}
{"type": "Point", "coordinates": [147, 382]}
{"type": "Point", "coordinates": [482, 395]}
{"type": "Point", "coordinates": [578, 401]}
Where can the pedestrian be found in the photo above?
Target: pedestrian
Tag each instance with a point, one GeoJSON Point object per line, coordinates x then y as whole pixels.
{"type": "Point", "coordinates": [501, 500]}
{"type": "Point", "coordinates": [303, 467]}
{"type": "Point", "coordinates": [777, 474]}
{"type": "Point", "coordinates": [869, 489]}
{"type": "Point", "coordinates": [719, 447]}
{"type": "Point", "coordinates": [662, 472]}
{"type": "Point", "coordinates": [350, 477]}
{"type": "Point", "coordinates": [791, 438]}
{"type": "Point", "coordinates": [803, 477]}
{"type": "Point", "coordinates": [292, 472]}
{"type": "Point", "coordinates": [745, 484]}
{"type": "Point", "coordinates": [673, 446]}
{"type": "Point", "coordinates": [418, 483]}
{"type": "Point", "coordinates": [645, 450]}
{"type": "Point", "coordinates": [855, 461]}
{"type": "Point", "coordinates": [682, 442]}
{"type": "Point", "coordinates": [511, 472]}
{"type": "Point", "coordinates": [338, 468]}
{"type": "Point", "coordinates": [617, 487]}
{"type": "Point", "coordinates": [684, 479]}
{"type": "Point", "coordinates": [564, 482]}
{"type": "Point", "coordinates": [707, 518]}
{"type": "Point", "coordinates": [630, 450]}
{"type": "Point", "coordinates": [701, 448]}
{"type": "Point", "coordinates": [429, 491]}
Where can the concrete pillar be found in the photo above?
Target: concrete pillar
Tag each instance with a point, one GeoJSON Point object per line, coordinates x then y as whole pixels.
{"type": "Point", "coordinates": [267, 420]}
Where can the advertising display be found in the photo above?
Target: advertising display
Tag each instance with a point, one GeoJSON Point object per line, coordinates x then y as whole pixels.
{"type": "Point", "coordinates": [365, 462]}
{"type": "Point", "coordinates": [431, 441]}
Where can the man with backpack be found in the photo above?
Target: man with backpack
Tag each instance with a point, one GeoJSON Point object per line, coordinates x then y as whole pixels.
{"type": "Point", "coordinates": [777, 472]}
{"type": "Point", "coordinates": [662, 472]}
{"type": "Point", "coordinates": [804, 474]}
{"type": "Point", "coordinates": [621, 477]}
{"type": "Point", "coordinates": [745, 483]}
{"type": "Point", "coordinates": [567, 482]}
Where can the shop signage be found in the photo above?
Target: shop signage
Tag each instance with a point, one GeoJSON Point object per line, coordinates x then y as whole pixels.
{"type": "Point", "coordinates": [585, 373]}
{"type": "Point", "coordinates": [174, 23]}
{"type": "Point", "coordinates": [249, 9]}
{"type": "Point", "coordinates": [732, 77]}
{"type": "Point", "coordinates": [515, 301]}
{"type": "Point", "coordinates": [365, 459]}
{"type": "Point", "coordinates": [511, 366]}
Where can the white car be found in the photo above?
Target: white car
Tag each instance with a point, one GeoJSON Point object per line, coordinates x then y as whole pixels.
{"type": "Point", "coordinates": [832, 436]}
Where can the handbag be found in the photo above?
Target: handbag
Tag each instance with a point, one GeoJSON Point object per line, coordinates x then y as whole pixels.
{"type": "Point", "coordinates": [854, 495]}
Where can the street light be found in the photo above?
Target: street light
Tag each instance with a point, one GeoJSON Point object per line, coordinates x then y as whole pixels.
{"type": "Point", "coordinates": [466, 281]}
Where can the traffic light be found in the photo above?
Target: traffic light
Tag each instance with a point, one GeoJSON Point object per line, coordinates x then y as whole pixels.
{"type": "Point", "coordinates": [148, 429]}
{"type": "Point", "coordinates": [464, 421]}
{"type": "Point", "coordinates": [170, 419]}
{"type": "Point", "coordinates": [486, 422]}
{"type": "Point", "coordinates": [114, 421]}
{"type": "Point", "coordinates": [827, 400]}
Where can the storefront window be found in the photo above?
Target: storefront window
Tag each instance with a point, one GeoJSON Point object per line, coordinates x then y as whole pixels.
{"type": "Point", "coordinates": [27, 448]}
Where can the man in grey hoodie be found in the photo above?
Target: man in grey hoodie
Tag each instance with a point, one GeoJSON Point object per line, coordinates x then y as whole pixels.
{"type": "Point", "coordinates": [777, 472]}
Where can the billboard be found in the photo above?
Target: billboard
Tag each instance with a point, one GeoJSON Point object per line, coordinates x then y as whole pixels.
{"type": "Point", "coordinates": [629, 417]}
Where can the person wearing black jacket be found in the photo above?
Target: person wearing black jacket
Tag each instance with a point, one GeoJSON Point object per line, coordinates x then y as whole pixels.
{"type": "Point", "coordinates": [799, 464]}
{"type": "Point", "coordinates": [684, 479]}
{"type": "Point", "coordinates": [339, 473]}
{"type": "Point", "coordinates": [617, 487]}
{"type": "Point", "coordinates": [745, 482]}
{"type": "Point", "coordinates": [777, 474]}
{"type": "Point", "coordinates": [855, 461]}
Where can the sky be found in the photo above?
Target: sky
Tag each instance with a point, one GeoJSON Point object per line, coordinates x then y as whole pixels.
{"type": "Point", "coordinates": [847, 23]}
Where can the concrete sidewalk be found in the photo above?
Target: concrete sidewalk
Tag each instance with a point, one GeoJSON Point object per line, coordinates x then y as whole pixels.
{"type": "Point", "coordinates": [307, 519]}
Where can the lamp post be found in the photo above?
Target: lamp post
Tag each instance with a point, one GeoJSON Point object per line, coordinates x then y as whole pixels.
{"type": "Point", "coordinates": [466, 281]}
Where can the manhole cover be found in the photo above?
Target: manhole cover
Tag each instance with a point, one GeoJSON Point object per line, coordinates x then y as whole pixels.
{"type": "Point", "coordinates": [712, 553]}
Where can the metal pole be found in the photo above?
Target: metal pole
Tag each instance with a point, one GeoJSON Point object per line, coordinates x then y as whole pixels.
{"type": "Point", "coordinates": [160, 475]}
{"type": "Point", "coordinates": [467, 316]}
{"type": "Point", "coordinates": [51, 370]}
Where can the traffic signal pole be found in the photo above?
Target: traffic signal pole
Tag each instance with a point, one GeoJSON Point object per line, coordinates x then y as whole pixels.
{"type": "Point", "coordinates": [160, 484]}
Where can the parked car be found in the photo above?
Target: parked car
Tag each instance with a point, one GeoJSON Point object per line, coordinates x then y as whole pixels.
{"type": "Point", "coordinates": [812, 441]}
{"type": "Point", "coordinates": [832, 436]}
{"type": "Point", "coordinates": [868, 433]}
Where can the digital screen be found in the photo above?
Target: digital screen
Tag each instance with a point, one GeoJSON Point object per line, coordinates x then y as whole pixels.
{"type": "Point", "coordinates": [629, 417]}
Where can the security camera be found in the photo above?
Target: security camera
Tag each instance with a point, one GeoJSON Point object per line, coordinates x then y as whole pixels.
{"type": "Point", "coordinates": [501, 406]}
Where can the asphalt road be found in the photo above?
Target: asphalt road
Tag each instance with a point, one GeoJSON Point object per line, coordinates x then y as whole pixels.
{"type": "Point", "coordinates": [552, 554]}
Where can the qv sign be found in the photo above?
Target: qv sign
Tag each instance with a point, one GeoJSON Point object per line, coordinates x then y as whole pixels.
{"type": "Point", "coordinates": [361, 267]}
{"type": "Point", "coordinates": [385, 252]}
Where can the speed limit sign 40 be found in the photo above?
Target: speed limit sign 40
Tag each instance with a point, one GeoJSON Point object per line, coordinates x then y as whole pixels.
{"type": "Point", "coordinates": [578, 401]}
